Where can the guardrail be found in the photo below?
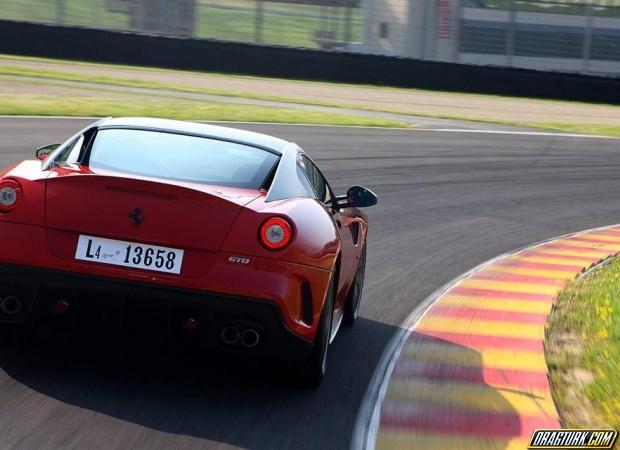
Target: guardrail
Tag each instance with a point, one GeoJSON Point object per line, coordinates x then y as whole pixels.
{"type": "Point", "coordinates": [208, 55]}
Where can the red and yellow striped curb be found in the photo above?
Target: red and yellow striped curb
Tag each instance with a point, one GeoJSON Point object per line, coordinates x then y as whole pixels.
{"type": "Point", "coordinates": [472, 373]}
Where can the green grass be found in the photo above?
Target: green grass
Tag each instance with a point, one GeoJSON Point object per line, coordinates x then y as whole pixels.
{"type": "Point", "coordinates": [288, 80]}
{"type": "Point", "coordinates": [231, 20]}
{"type": "Point", "coordinates": [571, 128]}
{"type": "Point", "coordinates": [69, 75]}
{"type": "Point", "coordinates": [77, 12]}
{"type": "Point", "coordinates": [235, 23]}
{"type": "Point", "coordinates": [147, 84]}
{"type": "Point", "coordinates": [46, 74]}
{"type": "Point", "coordinates": [589, 310]}
{"type": "Point", "coordinates": [52, 105]}
{"type": "Point", "coordinates": [598, 129]}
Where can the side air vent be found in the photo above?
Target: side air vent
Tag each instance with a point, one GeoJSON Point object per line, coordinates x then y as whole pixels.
{"type": "Point", "coordinates": [306, 303]}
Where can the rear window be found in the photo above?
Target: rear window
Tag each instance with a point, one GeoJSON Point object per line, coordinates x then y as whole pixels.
{"type": "Point", "coordinates": [180, 157]}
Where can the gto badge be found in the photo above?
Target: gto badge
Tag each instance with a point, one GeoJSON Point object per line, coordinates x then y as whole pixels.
{"type": "Point", "coordinates": [136, 217]}
{"type": "Point", "coordinates": [238, 260]}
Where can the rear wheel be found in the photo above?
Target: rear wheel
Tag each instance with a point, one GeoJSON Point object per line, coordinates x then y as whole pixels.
{"type": "Point", "coordinates": [354, 297]}
{"type": "Point", "coordinates": [314, 368]}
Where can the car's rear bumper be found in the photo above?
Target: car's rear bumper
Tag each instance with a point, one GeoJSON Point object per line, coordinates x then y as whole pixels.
{"type": "Point", "coordinates": [40, 288]}
{"type": "Point", "coordinates": [267, 280]}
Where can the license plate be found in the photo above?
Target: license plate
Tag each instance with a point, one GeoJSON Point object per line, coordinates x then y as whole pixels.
{"type": "Point", "coordinates": [129, 254]}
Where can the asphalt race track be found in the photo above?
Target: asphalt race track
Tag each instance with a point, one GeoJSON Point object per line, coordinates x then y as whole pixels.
{"type": "Point", "coordinates": [448, 201]}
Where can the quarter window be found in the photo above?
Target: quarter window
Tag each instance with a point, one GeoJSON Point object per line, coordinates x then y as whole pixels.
{"type": "Point", "coordinates": [71, 153]}
{"type": "Point", "coordinates": [318, 182]}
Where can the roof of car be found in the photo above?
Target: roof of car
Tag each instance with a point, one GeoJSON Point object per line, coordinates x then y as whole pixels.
{"type": "Point", "coordinates": [200, 129]}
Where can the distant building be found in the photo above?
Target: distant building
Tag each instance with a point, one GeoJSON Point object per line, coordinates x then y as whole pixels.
{"type": "Point", "coordinates": [543, 35]}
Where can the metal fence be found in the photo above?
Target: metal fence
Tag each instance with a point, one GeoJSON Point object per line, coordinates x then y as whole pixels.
{"type": "Point", "coordinates": [540, 34]}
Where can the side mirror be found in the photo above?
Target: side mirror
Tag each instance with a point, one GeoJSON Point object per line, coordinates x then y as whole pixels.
{"type": "Point", "coordinates": [360, 197]}
{"type": "Point", "coordinates": [43, 152]}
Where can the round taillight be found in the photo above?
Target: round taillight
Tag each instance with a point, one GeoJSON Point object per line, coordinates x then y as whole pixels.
{"type": "Point", "coordinates": [276, 233]}
{"type": "Point", "coordinates": [10, 195]}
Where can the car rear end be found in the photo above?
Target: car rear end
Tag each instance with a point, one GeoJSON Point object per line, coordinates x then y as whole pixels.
{"type": "Point", "coordinates": [154, 228]}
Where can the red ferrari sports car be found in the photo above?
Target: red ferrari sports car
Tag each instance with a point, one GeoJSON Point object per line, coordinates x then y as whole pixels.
{"type": "Point", "coordinates": [235, 236]}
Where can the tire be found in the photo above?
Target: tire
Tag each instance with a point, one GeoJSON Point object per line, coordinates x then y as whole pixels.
{"type": "Point", "coordinates": [314, 368]}
{"type": "Point", "coordinates": [354, 298]}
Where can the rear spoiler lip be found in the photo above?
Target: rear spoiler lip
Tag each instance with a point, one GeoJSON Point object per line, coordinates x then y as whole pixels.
{"type": "Point", "coordinates": [207, 190]}
{"type": "Point", "coordinates": [101, 125]}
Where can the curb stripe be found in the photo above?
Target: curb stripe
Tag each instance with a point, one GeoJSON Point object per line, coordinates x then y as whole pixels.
{"type": "Point", "coordinates": [485, 424]}
{"type": "Point", "coordinates": [472, 372]}
{"type": "Point", "coordinates": [498, 276]}
{"type": "Point", "coordinates": [473, 397]}
{"type": "Point", "coordinates": [404, 440]}
{"type": "Point", "coordinates": [560, 274]}
{"type": "Point", "coordinates": [572, 268]}
{"type": "Point", "coordinates": [587, 248]}
{"type": "Point", "coordinates": [562, 254]}
{"type": "Point", "coordinates": [584, 248]}
{"type": "Point", "coordinates": [577, 241]}
{"type": "Point", "coordinates": [483, 357]}
{"type": "Point", "coordinates": [592, 241]}
{"type": "Point", "coordinates": [567, 253]}
{"type": "Point", "coordinates": [497, 304]}
{"type": "Point", "coordinates": [485, 314]}
{"type": "Point", "coordinates": [506, 378]}
{"type": "Point", "coordinates": [481, 327]}
{"type": "Point", "coordinates": [598, 238]}
{"type": "Point", "coordinates": [554, 260]}
{"type": "Point", "coordinates": [612, 233]}
{"type": "Point", "coordinates": [507, 286]}
{"type": "Point", "coordinates": [502, 294]}
{"type": "Point", "coordinates": [479, 342]}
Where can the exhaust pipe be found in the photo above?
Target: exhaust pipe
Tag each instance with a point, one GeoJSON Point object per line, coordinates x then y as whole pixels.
{"type": "Point", "coordinates": [250, 338]}
{"type": "Point", "coordinates": [230, 335]}
{"type": "Point", "coordinates": [10, 305]}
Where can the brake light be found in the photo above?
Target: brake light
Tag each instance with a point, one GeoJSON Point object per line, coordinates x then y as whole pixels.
{"type": "Point", "coordinates": [11, 194]}
{"type": "Point", "coordinates": [276, 233]}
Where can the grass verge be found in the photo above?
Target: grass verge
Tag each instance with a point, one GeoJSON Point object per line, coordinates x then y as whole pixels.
{"type": "Point", "coordinates": [583, 349]}
{"type": "Point", "coordinates": [76, 76]}
{"type": "Point", "coordinates": [52, 105]}
{"type": "Point", "coordinates": [586, 128]}
{"type": "Point", "coordinates": [375, 87]}
{"type": "Point", "coordinates": [46, 74]}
